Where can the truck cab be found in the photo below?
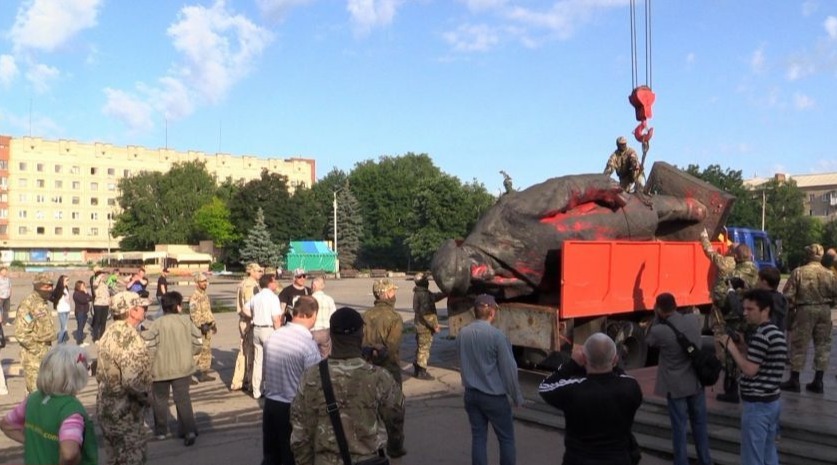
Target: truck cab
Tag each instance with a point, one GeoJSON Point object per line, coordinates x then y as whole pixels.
{"type": "Point", "coordinates": [764, 251]}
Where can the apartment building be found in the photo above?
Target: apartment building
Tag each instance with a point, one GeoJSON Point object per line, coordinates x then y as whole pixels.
{"type": "Point", "coordinates": [58, 197]}
{"type": "Point", "coordinates": [820, 192]}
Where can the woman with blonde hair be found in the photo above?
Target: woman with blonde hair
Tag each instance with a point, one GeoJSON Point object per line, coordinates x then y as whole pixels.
{"type": "Point", "coordinates": [58, 429]}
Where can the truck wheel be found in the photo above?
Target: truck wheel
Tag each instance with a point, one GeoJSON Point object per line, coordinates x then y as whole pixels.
{"type": "Point", "coordinates": [630, 343]}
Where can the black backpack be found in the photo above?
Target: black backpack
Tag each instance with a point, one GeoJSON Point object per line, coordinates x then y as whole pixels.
{"type": "Point", "coordinates": [706, 365]}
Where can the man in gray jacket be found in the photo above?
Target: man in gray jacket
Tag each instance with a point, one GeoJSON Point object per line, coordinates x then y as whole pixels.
{"type": "Point", "coordinates": [677, 380]}
{"type": "Point", "coordinates": [173, 340]}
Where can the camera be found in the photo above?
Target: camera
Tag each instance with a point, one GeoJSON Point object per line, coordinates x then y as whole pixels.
{"type": "Point", "coordinates": [736, 338]}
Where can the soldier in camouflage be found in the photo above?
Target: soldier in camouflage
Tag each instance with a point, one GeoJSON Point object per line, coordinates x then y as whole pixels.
{"type": "Point", "coordinates": [370, 402]}
{"type": "Point", "coordinates": [124, 376]}
{"type": "Point", "coordinates": [200, 310]}
{"type": "Point", "coordinates": [35, 329]}
{"type": "Point", "coordinates": [243, 374]}
{"type": "Point", "coordinates": [426, 322]}
{"type": "Point", "coordinates": [811, 291]}
{"type": "Point", "coordinates": [384, 328]}
{"type": "Point", "coordinates": [626, 165]}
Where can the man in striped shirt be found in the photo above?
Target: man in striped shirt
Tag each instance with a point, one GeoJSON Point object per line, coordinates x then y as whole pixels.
{"type": "Point", "coordinates": [762, 362]}
{"type": "Point", "coordinates": [287, 353]}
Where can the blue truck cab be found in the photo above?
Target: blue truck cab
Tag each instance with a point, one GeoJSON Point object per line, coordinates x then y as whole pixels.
{"type": "Point", "coordinates": [764, 251]}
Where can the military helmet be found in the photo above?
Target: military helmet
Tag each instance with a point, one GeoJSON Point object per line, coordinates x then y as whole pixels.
{"type": "Point", "coordinates": [381, 286]}
{"type": "Point", "coordinates": [125, 300]}
{"type": "Point", "coordinates": [621, 140]}
{"type": "Point", "coordinates": [814, 251]}
{"type": "Point", "coordinates": [41, 279]}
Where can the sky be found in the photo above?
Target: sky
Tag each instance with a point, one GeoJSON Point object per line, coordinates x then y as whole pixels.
{"type": "Point", "coordinates": [536, 88]}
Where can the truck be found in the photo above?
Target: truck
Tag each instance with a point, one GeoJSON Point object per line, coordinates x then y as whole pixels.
{"type": "Point", "coordinates": [585, 263]}
{"type": "Point", "coordinates": [765, 253]}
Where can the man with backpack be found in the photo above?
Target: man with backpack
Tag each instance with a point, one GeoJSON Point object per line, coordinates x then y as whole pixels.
{"type": "Point", "coordinates": [677, 380]}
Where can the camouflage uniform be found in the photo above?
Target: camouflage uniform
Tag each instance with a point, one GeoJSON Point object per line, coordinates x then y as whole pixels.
{"type": "Point", "coordinates": [426, 320]}
{"type": "Point", "coordinates": [124, 376]}
{"type": "Point", "coordinates": [243, 372]}
{"type": "Point", "coordinates": [384, 328]}
{"type": "Point", "coordinates": [201, 313]}
{"type": "Point", "coordinates": [35, 332]}
{"type": "Point", "coordinates": [626, 165]}
{"type": "Point", "coordinates": [810, 291]}
{"type": "Point", "coordinates": [369, 401]}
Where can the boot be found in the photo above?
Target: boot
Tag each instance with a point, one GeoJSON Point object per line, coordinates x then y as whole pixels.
{"type": "Point", "coordinates": [423, 374]}
{"type": "Point", "coordinates": [416, 370]}
{"type": "Point", "coordinates": [791, 384]}
{"type": "Point", "coordinates": [202, 376]}
{"type": "Point", "coordinates": [815, 386]}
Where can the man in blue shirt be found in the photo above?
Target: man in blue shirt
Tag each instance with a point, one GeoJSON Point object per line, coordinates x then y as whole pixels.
{"type": "Point", "coordinates": [489, 375]}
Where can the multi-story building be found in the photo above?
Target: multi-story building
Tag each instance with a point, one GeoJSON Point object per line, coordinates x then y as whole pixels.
{"type": "Point", "coordinates": [820, 192]}
{"type": "Point", "coordinates": [57, 198]}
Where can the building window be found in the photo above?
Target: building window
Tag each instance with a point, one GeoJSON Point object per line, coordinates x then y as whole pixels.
{"type": "Point", "coordinates": [58, 215]}
{"type": "Point", "coordinates": [75, 201]}
{"type": "Point", "coordinates": [21, 213]}
{"type": "Point", "coordinates": [4, 197]}
{"type": "Point", "coordinates": [4, 229]}
{"type": "Point", "coordinates": [94, 216]}
{"type": "Point", "coordinates": [57, 168]}
{"type": "Point", "coordinates": [111, 202]}
{"type": "Point", "coordinates": [21, 182]}
{"type": "Point", "coordinates": [111, 171]}
{"type": "Point", "coordinates": [94, 201]}
{"type": "Point", "coordinates": [75, 215]}
{"type": "Point", "coordinates": [22, 230]}
{"type": "Point", "coordinates": [76, 231]}
{"type": "Point", "coordinates": [94, 231]}
{"type": "Point", "coordinates": [75, 169]}
{"type": "Point", "coordinates": [4, 164]}
{"type": "Point", "coordinates": [40, 198]}
{"type": "Point", "coordinates": [40, 183]}
{"type": "Point", "coordinates": [57, 199]}
{"type": "Point", "coordinates": [39, 167]}
{"type": "Point", "coordinates": [94, 170]}
{"type": "Point", "coordinates": [59, 230]}
{"type": "Point", "coordinates": [111, 186]}
{"type": "Point", "coordinates": [39, 214]}
{"type": "Point", "coordinates": [126, 173]}
{"type": "Point", "coordinates": [59, 184]}
{"type": "Point", "coordinates": [22, 198]}
{"type": "Point", "coordinates": [4, 182]}
{"type": "Point", "coordinates": [40, 230]}
{"type": "Point", "coordinates": [21, 166]}
{"type": "Point", "coordinates": [4, 213]}
{"type": "Point", "coordinates": [76, 185]}
{"type": "Point", "coordinates": [94, 186]}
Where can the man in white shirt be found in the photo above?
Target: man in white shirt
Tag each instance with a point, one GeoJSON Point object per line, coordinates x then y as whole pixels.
{"type": "Point", "coordinates": [288, 352]}
{"type": "Point", "coordinates": [320, 331]}
{"type": "Point", "coordinates": [267, 316]}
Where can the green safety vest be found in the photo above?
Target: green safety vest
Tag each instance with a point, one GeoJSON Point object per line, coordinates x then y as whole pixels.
{"type": "Point", "coordinates": [42, 422]}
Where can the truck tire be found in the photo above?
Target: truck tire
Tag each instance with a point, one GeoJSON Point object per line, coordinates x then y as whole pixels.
{"type": "Point", "coordinates": [630, 343]}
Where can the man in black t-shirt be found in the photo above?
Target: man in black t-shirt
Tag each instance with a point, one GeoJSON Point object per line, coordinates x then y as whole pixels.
{"type": "Point", "coordinates": [162, 283]}
{"type": "Point", "coordinates": [290, 293]}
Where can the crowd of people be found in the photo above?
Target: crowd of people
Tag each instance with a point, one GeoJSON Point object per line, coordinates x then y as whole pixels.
{"type": "Point", "coordinates": [329, 380]}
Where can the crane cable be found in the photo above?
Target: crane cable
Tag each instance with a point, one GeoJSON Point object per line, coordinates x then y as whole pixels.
{"type": "Point", "coordinates": [642, 97]}
{"type": "Point", "coordinates": [634, 58]}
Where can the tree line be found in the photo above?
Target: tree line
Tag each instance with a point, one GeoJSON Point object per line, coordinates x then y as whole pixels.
{"type": "Point", "coordinates": [391, 213]}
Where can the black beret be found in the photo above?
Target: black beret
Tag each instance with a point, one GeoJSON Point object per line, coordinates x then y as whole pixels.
{"type": "Point", "coordinates": [345, 320]}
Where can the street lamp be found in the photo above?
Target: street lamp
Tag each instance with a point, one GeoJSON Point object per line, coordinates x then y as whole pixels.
{"type": "Point", "coordinates": [336, 255]}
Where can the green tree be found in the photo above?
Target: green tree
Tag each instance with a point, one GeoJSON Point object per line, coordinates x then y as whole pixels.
{"type": "Point", "coordinates": [213, 221]}
{"type": "Point", "coordinates": [158, 208]}
{"type": "Point", "coordinates": [786, 221]}
{"type": "Point", "coordinates": [384, 190]}
{"type": "Point", "coordinates": [829, 234]}
{"type": "Point", "coordinates": [349, 228]}
{"type": "Point", "coordinates": [443, 209]}
{"type": "Point", "coordinates": [270, 194]}
{"type": "Point", "coordinates": [259, 247]}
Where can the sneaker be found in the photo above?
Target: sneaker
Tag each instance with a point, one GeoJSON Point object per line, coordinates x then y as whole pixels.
{"type": "Point", "coordinates": [189, 440]}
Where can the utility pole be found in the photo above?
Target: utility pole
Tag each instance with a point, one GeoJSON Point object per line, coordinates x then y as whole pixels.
{"type": "Point", "coordinates": [336, 255]}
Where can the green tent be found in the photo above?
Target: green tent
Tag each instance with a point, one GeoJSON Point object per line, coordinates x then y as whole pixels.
{"type": "Point", "coordinates": [311, 256]}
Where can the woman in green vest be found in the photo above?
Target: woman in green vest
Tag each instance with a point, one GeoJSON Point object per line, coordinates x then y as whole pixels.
{"type": "Point", "coordinates": [51, 423]}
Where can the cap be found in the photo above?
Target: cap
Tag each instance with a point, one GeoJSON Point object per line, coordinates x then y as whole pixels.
{"type": "Point", "coordinates": [621, 141]}
{"type": "Point", "coordinates": [299, 272]}
{"type": "Point", "coordinates": [125, 300]}
{"type": "Point", "coordinates": [200, 277]}
{"type": "Point", "coordinates": [382, 285]}
{"type": "Point", "coordinates": [485, 299]}
{"type": "Point", "coordinates": [97, 269]}
{"type": "Point", "coordinates": [666, 302]}
{"type": "Point", "coordinates": [345, 320]}
{"type": "Point", "coordinates": [814, 251]}
{"type": "Point", "coordinates": [253, 266]}
{"type": "Point", "coordinates": [41, 279]}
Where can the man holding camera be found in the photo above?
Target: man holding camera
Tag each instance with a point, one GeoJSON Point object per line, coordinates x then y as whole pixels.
{"type": "Point", "coordinates": [200, 310]}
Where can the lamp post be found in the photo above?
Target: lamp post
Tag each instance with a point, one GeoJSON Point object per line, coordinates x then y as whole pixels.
{"type": "Point", "coordinates": [336, 255]}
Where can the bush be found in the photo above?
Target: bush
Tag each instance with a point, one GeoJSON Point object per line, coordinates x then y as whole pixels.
{"type": "Point", "coordinates": [216, 267]}
{"type": "Point", "coordinates": [17, 264]}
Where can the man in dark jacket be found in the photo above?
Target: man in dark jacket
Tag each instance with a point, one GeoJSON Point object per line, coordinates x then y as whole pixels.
{"type": "Point", "coordinates": [426, 321]}
{"type": "Point", "coordinates": [677, 380]}
{"type": "Point", "coordinates": [599, 402]}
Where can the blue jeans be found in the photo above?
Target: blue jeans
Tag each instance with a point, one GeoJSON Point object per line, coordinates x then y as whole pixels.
{"type": "Point", "coordinates": [483, 409]}
{"type": "Point", "coordinates": [81, 321]}
{"type": "Point", "coordinates": [63, 318]}
{"type": "Point", "coordinates": [759, 425]}
{"type": "Point", "coordinates": [683, 410]}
